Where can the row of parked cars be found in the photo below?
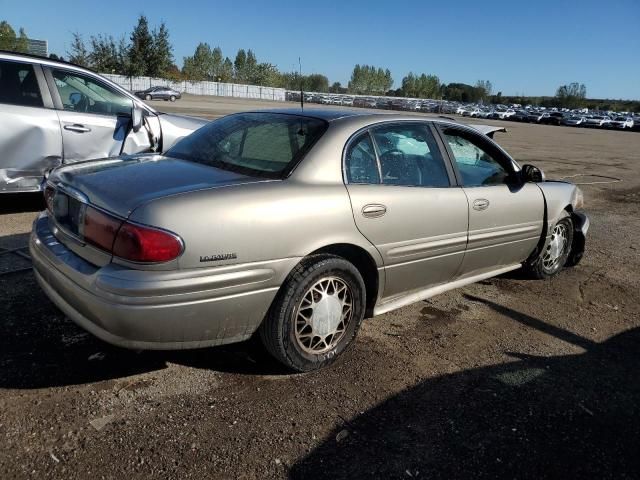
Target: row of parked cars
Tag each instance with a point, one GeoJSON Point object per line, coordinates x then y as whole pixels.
{"type": "Point", "coordinates": [567, 118]}
{"type": "Point", "coordinates": [516, 113]}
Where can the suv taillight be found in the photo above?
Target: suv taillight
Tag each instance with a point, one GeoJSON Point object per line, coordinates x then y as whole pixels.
{"type": "Point", "coordinates": [138, 243]}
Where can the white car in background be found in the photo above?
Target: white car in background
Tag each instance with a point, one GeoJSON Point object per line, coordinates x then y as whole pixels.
{"type": "Point", "coordinates": [597, 121]}
{"type": "Point", "coordinates": [507, 114]}
{"type": "Point", "coordinates": [622, 123]}
{"type": "Point", "coordinates": [574, 121]}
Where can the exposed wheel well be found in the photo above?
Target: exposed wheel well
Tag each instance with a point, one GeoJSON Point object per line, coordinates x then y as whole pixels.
{"type": "Point", "coordinates": [365, 264]}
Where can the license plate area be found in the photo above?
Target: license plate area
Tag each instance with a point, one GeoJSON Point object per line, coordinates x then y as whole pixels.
{"type": "Point", "coordinates": [68, 213]}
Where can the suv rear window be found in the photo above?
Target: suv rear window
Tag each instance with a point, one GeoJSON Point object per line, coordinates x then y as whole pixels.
{"type": "Point", "coordinates": [18, 84]}
{"type": "Point", "coordinates": [261, 144]}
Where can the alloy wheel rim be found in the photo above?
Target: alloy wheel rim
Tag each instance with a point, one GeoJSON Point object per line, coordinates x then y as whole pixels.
{"type": "Point", "coordinates": [556, 248]}
{"type": "Point", "coordinates": [323, 315]}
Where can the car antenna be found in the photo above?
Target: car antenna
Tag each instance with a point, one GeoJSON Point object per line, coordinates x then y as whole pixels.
{"type": "Point", "coordinates": [301, 92]}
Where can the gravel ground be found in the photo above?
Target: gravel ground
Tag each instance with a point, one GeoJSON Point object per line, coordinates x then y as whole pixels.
{"type": "Point", "coordinates": [507, 378]}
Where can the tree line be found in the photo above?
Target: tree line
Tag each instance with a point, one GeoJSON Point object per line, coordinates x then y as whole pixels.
{"type": "Point", "coordinates": [148, 51]}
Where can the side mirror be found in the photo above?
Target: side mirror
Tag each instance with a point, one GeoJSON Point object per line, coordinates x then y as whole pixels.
{"type": "Point", "coordinates": [532, 174]}
{"type": "Point", "coordinates": [136, 118]}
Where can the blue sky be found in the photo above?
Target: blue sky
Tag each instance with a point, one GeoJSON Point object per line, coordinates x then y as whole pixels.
{"type": "Point", "coordinates": [522, 47]}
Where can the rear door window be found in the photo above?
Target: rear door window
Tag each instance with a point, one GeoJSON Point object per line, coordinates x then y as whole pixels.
{"type": "Point", "coordinates": [19, 85]}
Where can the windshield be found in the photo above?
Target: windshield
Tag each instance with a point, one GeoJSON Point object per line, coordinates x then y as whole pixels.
{"type": "Point", "coordinates": [260, 144]}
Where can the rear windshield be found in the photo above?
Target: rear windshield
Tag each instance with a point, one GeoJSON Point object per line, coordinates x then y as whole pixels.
{"type": "Point", "coordinates": [259, 144]}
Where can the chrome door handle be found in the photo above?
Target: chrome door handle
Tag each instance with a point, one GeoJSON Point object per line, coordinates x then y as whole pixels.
{"type": "Point", "coordinates": [76, 127]}
{"type": "Point", "coordinates": [374, 210]}
{"type": "Point", "coordinates": [480, 204]}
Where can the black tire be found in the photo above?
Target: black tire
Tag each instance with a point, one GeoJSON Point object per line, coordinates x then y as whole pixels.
{"type": "Point", "coordinates": [147, 97]}
{"type": "Point", "coordinates": [278, 330]}
{"type": "Point", "coordinates": [540, 267]}
{"type": "Point", "coordinates": [172, 98]}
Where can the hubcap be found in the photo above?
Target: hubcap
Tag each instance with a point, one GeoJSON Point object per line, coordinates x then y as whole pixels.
{"type": "Point", "coordinates": [556, 248]}
{"type": "Point", "coordinates": [323, 315]}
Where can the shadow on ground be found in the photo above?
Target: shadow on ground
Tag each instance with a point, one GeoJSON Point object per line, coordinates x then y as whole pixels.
{"type": "Point", "coordinates": [40, 347]}
{"type": "Point", "coordinates": [575, 416]}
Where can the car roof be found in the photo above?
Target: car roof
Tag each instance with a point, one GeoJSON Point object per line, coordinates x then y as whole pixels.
{"type": "Point", "coordinates": [360, 119]}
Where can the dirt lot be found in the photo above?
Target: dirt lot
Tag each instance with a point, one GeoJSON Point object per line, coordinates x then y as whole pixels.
{"type": "Point", "coordinates": [507, 378]}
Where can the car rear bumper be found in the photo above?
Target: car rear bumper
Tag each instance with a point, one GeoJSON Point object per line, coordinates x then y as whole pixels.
{"type": "Point", "coordinates": [155, 309]}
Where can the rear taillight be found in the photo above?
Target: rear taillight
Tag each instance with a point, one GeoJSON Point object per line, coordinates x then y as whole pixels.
{"type": "Point", "coordinates": [49, 193]}
{"type": "Point", "coordinates": [145, 244]}
{"type": "Point", "coordinates": [99, 228]}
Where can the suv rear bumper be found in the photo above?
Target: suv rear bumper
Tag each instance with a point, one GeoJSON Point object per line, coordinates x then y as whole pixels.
{"type": "Point", "coordinates": [155, 309]}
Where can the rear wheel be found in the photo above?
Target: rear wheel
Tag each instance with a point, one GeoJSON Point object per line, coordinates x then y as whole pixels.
{"type": "Point", "coordinates": [316, 314]}
{"type": "Point", "coordinates": [555, 252]}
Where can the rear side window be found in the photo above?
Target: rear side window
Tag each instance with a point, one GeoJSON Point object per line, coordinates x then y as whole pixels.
{"type": "Point", "coordinates": [361, 163]}
{"type": "Point", "coordinates": [19, 85]}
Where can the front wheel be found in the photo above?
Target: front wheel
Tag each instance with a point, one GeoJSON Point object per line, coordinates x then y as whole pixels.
{"type": "Point", "coordinates": [316, 314]}
{"type": "Point", "coordinates": [555, 252]}
{"type": "Point", "coordinates": [172, 98]}
{"type": "Point", "coordinates": [147, 97]}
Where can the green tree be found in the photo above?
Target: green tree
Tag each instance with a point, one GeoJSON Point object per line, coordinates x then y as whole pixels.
{"type": "Point", "coordinates": [161, 58]}
{"type": "Point", "coordinates": [366, 79]}
{"type": "Point", "coordinates": [226, 74]}
{"type": "Point", "coordinates": [485, 89]}
{"type": "Point", "coordinates": [78, 53]}
{"type": "Point", "coordinates": [200, 66]}
{"type": "Point", "coordinates": [10, 42]}
{"type": "Point", "coordinates": [571, 95]}
{"type": "Point", "coordinates": [239, 66]}
{"type": "Point", "coordinates": [104, 55]}
{"type": "Point", "coordinates": [141, 49]}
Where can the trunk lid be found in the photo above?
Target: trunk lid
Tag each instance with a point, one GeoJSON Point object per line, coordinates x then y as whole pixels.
{"type": "Point", "coordinates": [120, 185]}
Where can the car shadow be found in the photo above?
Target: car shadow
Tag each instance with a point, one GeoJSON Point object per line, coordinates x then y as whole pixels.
{"type": "Point", "coordinates": [571, 416]}
{"type": "Point", "coordinates": [21, 202]}
{"type": "Point", "coordinates": [40, 347]}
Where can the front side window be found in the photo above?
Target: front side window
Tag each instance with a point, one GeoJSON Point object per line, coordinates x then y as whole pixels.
{"type": "Point", "coordinates": [80, 93]}
{"type": "Point", "coordinates": [409, 155]}
{"type": "Point", "coordinates": [262, 144]}
{"type": "Point", "coordinates": [476, 166]}
{"type": "Point", "coordinates": [19, 85]}
{"type": "Point", "coordinates": [360, 161]}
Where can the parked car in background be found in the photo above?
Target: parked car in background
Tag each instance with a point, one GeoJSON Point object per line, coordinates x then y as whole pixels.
{"type": "Point", "coordinates": [159, 93]}
{"type": "Point", "coordinates": [596, 121]}
{"type": "Point", "coordinates": [551, 118]}
{"type": "Point", "coordinates": [534, 116]}
{"type": "Point", "coordinates": [519, 116]}
{"type": "Point", "coordinates": [169, 251]}
{"type": "Point", "coordinates": [54, 113]}
{"type": "Point", "coordinates": [574, 121]}
{"type": "Point", "coordinates": [622, 123]}
{"type": "Point", "coordinates": [507, 114]}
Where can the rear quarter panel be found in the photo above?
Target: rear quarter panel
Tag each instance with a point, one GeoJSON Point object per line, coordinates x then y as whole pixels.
{"type": "Point", "coordinates": [256, 222]}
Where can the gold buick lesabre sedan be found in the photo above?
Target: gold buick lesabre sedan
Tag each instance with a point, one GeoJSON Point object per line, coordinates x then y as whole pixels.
{"type": "Point", "coordinates": [294, 224]}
